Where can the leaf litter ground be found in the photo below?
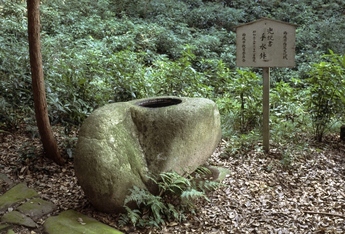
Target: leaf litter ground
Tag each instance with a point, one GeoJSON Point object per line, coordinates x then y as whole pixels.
{"type": "Point", "coordinates": [264, 193]}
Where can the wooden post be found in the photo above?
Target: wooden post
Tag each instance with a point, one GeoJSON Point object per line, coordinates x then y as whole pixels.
{"type": "Point", "coordinates": [266, 109]}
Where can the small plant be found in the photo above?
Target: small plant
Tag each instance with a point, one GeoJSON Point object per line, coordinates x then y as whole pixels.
{"type": "Point", "coordinates": [292, 153]}
{"type": "Point", "coordinates": [175, 199]}
{"type": "Point", "coordinates": [326, 99]}
{"type": "Point", "coordinates": [247, 90]}
{"type": "Point", "coordinates": [241, 144]}
{"type": "Point", "coordinates": [27, 152]}
{"type": "Point", "coordinates": [287, 160]}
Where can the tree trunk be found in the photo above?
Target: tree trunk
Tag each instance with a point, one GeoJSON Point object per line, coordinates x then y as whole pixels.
{"type": "Point", "coordinates": [38, 87]}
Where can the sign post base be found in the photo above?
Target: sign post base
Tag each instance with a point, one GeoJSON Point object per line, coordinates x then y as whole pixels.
{"type": "Point", "coordinates": [266, 109]}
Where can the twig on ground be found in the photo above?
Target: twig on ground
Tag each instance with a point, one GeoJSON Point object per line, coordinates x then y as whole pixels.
{"type": "Point", "coordinates": [324, 213]}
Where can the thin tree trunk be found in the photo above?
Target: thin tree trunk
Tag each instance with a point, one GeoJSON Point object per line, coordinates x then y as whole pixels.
{"type": "Point", "coordinates": [38, 87]}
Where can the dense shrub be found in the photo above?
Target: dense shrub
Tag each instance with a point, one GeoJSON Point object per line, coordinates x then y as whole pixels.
{"type": "Point", "coordinates": [15, 80]}
{"type": "Point", "coordinates": [326, 98]}
{"type": "Point", "coordinates": [214, 15]}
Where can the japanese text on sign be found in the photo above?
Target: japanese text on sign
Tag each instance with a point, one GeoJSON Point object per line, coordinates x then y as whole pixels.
{"type": "Point", "coordinates": [266, 43]}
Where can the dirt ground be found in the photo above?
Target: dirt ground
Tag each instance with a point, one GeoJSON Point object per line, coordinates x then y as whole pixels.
{"type": "Point", "coordinates": [265, 193]}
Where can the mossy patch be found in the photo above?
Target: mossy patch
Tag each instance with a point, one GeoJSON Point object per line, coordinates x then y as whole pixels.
{"type": "Point", "coordinates": [71, 221]}
{"type": "Point", "coordinates": [15, 217]}
{"type": "Point", "coordinates": [16, 194]}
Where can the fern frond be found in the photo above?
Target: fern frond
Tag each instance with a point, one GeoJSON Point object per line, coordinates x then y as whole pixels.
{"type": "Point", "coordinates": [157, 207]}
{"type": "Point", "coordinates": [192, 194]}
{"type": "Point", "coordinates": [210, 185]}
{"type": "Point", "coordinates": [206, 185]}
{"type": "Point", "coordinates": [174, 214]}
{"type": "Point", "coordinates": [156, 223]}
{"type": "Point", "coordinates": [138, 195]}
{"type": "Point", "coordinates": [202, 170]}
{"type": "Point", "coordinates": [123, 219]}
{"type": "Point", "coordinates": [173, 182]}
{"type": "Point", "coordinates": [131, 215]}
{"type": "Point", "coordinates": [173, 178]}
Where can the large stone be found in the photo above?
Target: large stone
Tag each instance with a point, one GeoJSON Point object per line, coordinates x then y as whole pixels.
{"type": "Point", "coordinates": [15, 217]}
{"type": "Point", "coordinates": [71, 221]}
{"type": "Point", "coordinates": [36, 208]}
{"type": "Point", "coordinates": [121, 144]}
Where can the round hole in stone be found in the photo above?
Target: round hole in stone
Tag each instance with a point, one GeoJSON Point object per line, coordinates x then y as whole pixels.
{"type": "Point", "coordinates": [159, 102]}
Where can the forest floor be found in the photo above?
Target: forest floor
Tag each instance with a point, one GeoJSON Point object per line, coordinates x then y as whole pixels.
{"type": "Point", "coordinates": [278, 192]}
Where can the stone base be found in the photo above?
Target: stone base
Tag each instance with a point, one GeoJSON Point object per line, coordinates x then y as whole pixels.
{"type": "Point", "coordinates": [121, 144]}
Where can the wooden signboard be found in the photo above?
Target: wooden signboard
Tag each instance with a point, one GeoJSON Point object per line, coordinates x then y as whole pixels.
{"type": "Point", "coordinates": [265, 43]}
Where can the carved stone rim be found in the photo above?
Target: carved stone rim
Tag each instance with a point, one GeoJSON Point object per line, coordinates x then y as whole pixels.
{"type": "Point", "coordinates": [159, 102]}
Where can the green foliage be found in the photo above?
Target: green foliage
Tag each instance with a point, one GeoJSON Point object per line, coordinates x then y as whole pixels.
{"type": "Point", "coordinates": [7, 115]}
{"type": "Point", "coordinates": [175, 199]}
{"type": "Point", "coordinates": [15, 82]}
{"type": "Point", "coordinates": [210, 15]}
{"type": "Point", "coordinates": [248, 95]}
{"type": "Point", "coordinates": [96, 52]}
{"type": "Point", "coordinates": [287, 159]}
{"type": "Point", "coordinates": [241, 99]}
{"type": "Point", "coordinates": [178, 78]}
{"type": "Point", "coordinates": [326, 98]}
{"type": "Point", "coordinates": [288, 114]}
{"type": "Point", "coordinates": [96, 79]}
{"type": "Point", "coordinates": [241, 144]}
{"type": "Point", "coordinates": [27, 151]}
{"type": "Point", "coordinates": [173, 182]}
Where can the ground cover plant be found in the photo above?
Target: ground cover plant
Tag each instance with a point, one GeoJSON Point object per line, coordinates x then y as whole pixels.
{"type": "Point", "coordinates": [174, 201]}
{"type": "Point", "coordinates": [97, 52]}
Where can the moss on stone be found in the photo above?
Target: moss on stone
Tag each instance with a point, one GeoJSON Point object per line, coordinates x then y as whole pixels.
{"type": "Point", "coordinates": [121, 144]}
{"type": "Point", "coordinates": [71, 221]}
{"type": "Point", "coordinates": [16, 194]}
